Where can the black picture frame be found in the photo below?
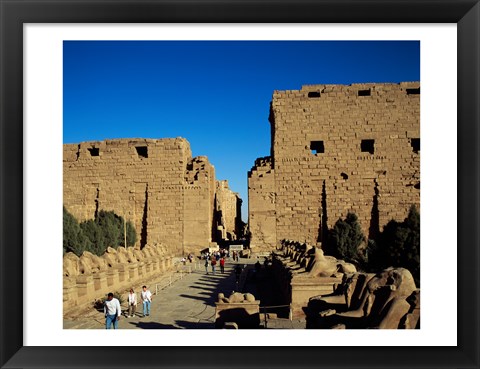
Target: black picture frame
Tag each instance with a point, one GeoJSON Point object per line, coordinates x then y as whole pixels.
{"type": "Point", "coordinates": [14, 13]}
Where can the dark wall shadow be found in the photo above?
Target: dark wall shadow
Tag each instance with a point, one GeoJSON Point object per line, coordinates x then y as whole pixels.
{"type": "Point", "coordinates": [213, 284]}
{"type": "Point", "coordinates": [213, 288]}
{"type": "Point", "coordinates": [153, 325]}
{"type": "Point", "coordinates": [374, 229]}
{"type": "Point", "coordinates": [143, 232]}
{"type": "Point", "coordinates": [323, 226]}
{"type": "Point", "coordinates": [194, 325]}
{"type": "Point", "coordinates": [207, 300]}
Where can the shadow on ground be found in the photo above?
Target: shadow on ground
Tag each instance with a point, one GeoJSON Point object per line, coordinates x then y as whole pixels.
{"type": "Point", "coordinates": [194, 325]}
{"type": "Point", "coordinates": [153, 325]}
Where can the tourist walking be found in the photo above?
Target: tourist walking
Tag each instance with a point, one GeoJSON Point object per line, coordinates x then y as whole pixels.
{"type": "Point", "coordinates": [222, 265]}
{"type": "Point", "coordinates": [206, 265]}
{"type": "Point", "coordinates": [132, 303]}
{"type": "Point", "coordinates": [146, 296]}
{"type": "Point", "coordinates": [213, 263]}
{"type": "Point", "coordinates": [112, 311]}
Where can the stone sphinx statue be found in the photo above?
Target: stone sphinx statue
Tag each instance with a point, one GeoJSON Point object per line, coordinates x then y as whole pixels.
{"type": "Point", "coordinates": [235, 297]}
{"type": "Point", "coordinates": [70, 265]}
{"type": "Point", "coordinates": [139, 255]}
{"type": "Point", "coordinates": [412, 319]}
{"type": "Point", "coordinates": [110, 257]}
{"type": "Point", "coordinates": [346, 296]}
{"type": "Point", "coordinates": [384, 301]}
{"type": "Point", "coordinates": [148, 251]}
{"type": "Point", "coordinates": [90, 263]}
{"type": "Point", "coordinates": [130, 255]}
{"type": "Point", "coordinates": [326, 266]}
{"type": "Point", "coordinates": [122, 256]}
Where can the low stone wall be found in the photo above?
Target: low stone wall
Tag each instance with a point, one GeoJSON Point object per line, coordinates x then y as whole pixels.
{"type": "Point", "coordinates": [89, 277]}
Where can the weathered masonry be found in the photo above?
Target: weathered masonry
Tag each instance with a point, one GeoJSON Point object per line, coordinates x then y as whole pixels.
{"type": "Point", "coordinates": [336, 149]}
{"type": "Point", "coordinates": [169, 196]}
{"type": "Point", "coordinates": [228, 205]}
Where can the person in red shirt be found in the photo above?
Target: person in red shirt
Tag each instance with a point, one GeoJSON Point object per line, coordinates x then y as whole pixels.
{"type": "Point", "coordinates": [222, 264]}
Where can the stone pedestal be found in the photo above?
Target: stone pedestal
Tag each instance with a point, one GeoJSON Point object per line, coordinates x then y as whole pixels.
{"type": "Point", "coordinates": [70, 294]}
{"type": "Point", "coordinates": [133, 272]}
{"type": "Point", "coordinates": [100, 281]}
{"type": "Point", "coordinates": [148, 268]}
{"type": "Point", "coordinates": [305, 287]}
{"type": "Point", "coordinates": [141, 269]}
{"type": "Point", "coordinates": [122, 274]}
{"type": "Point", "coordinates": [155, 266]}
{"type": "Point", "coordinates": [85, 288]}
{"type": "Point", "coordinates": [244, 314]}
{"type": "Point", "coordinates": [113, 280]}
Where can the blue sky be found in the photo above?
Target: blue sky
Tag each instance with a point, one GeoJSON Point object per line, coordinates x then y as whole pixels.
{"type": "Point", "coordinates": [216, 94]}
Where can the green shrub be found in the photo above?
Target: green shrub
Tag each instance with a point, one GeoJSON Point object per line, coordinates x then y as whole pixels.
{"type": "Point", "coordinates": [112, 228]}
{"type": "Point", "coordinates": [95, 235]}
{"type": "Point", "coordinates": [74, 239]}
{"type": "Point", "coordinates": [398, 246]}
{"type": "Point", "coordinates": [131, 235]}
{"type": "Point", "coordinates": [345, 239]}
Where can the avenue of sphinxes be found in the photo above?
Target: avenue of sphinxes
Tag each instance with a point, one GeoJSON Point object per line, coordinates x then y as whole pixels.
{"type": "Point", "coordinates": [335, 149]}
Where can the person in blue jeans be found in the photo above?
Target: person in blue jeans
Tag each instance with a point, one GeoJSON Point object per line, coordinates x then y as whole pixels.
{"type": "Point", "coordinates": [146, 297]}
{"type": "Point", "coordinates": [112, 311]}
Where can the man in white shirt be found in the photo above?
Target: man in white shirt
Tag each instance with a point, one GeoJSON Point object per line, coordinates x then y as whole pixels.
{"type": "Point", "coordinates": [112, 311]}
{"type": "Point", "coordinates": [146, 296]}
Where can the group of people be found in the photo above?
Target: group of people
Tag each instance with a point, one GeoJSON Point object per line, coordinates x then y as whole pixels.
{"type": "Point", "coordinates": [218, 257]}
{"type": "Point", "coordinates": [113, 311]}
{"type": "Point", "coordinates": [189, 258]}
{"type": "Point", "coordinates": [212, 260]}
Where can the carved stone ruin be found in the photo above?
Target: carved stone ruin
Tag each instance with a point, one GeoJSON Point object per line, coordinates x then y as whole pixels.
{"type": "Point", "coordinates": [241, 309]}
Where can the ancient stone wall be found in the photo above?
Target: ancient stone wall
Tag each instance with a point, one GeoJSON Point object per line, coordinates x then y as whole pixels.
{"type": "Point", "coordinates": [168, 195]}
{"type": "Point", "coordinates": [261, 205]}
{"type": "Point", "coordinates": [339, 149]}
{"type": "Point", "coordinates": [227, 205]}
{"type": "Point", "coordinates": [199, 195]}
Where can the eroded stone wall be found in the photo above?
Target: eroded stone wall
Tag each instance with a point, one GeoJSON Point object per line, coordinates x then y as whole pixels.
{"type": "Point", "coordinates": [338, 149]}
{"type": "Point", "coordinates": [227, 208]}
{"type": "Point", "coordinates": [168, 195]}
{"type": "Point", "coordinates": [261, 205]}
{"type": "Point", "coordinates": [199, 198]}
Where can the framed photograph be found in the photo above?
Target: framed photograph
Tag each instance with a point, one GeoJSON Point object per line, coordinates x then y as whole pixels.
{"type": "Point", "coordinates": [32, 47]}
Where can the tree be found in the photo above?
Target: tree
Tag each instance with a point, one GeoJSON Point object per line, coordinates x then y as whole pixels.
{"type": "Point", "coordinates": [398, 246]}
{"type": "Point", "coordinates": [112, 227]}
{"type": "Point", "coordinates": [345, 239]}
{"type": "Point", "coordinates": [107, 230]}
{"type": "Point", "coordinates": [73, 238]}
{"type": "Point", "coordinates": [95, 235]}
